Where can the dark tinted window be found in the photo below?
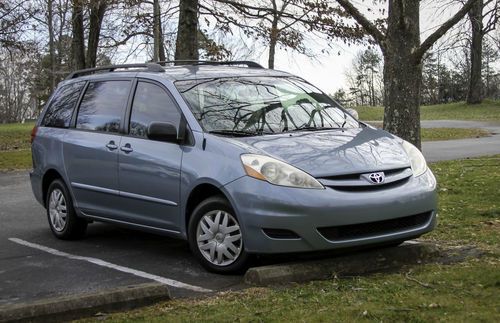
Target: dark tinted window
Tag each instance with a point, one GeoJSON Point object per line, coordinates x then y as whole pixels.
{"type": "Point", "coordinates": [103, 106]}
{"type": "Point", "coordinates": [151, 103]}
{"type": "Point", "coordinates": [61, 107]}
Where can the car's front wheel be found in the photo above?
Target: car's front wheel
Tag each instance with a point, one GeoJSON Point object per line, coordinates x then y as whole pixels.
{"type": "Point", "coordinates": [215, 236]}
{"type": "Point", "coordinates": [63, 221]}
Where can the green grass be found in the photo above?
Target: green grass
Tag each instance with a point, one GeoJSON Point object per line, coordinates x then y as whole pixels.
{"type": "Point", "coordinates": [467, 292]}
{"type": "Point", "coordinates": [469, 201]}
{"type": "Point", "coordinates": [15, 136]}
{"type": "Point", "coordinates": [15, 152]}
{"type": "Point", "coordinates": [489, 110]}
{"type": "Point", "coordinates": [433, 134]}
{"type": "Point", "coordinates": [15, 160]}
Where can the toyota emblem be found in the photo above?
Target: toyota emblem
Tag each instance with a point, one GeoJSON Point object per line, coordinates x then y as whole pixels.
{"type": "Point", "coordinates": [377, 178]}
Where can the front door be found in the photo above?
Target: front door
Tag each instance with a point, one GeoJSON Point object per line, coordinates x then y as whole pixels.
{"type": "Point", "coordinates": [149, 171]}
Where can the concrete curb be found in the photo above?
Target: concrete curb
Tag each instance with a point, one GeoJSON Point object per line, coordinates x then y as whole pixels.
{"type": "Point", "coordinates": [70, 307]}
{"type": "Point", "coordinates": [355, 264]}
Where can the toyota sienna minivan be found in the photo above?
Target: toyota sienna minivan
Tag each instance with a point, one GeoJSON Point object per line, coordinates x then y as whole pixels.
{"type": "Point", "coordinates": [235, 158]}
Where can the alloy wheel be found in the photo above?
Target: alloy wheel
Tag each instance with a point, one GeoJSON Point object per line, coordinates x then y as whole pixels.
{"type": "Point", "coordinates": [57, 210]}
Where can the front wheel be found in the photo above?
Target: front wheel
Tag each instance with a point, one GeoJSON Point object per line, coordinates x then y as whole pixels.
{"type": "Point", "coordinates": [215, 237]}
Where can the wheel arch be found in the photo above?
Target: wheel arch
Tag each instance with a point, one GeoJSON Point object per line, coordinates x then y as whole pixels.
{"type": "Point", "coordinates": [48, 177]}
{"type": "Point", "coordinates": [200, 192]}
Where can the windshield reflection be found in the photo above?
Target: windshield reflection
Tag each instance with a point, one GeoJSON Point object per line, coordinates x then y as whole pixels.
{"type": "Point", "coordinates": [261, 105]}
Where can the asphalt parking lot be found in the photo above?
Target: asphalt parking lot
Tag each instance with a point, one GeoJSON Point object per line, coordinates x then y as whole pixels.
{"type": "Point", "coordinates": [35, 265]}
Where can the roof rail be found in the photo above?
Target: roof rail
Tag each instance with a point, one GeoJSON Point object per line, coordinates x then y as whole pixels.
{"type": "Point", "coordinates": [151, 67]}
{"type": "Point", "coordinates": [201, 62]}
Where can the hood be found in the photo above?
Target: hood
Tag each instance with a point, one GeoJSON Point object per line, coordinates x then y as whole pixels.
{"type": "Point", "coordinates": [332, 152]}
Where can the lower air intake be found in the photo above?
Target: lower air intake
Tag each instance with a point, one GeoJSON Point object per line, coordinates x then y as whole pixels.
{"type": "Point", "coordinates": [364, 230]}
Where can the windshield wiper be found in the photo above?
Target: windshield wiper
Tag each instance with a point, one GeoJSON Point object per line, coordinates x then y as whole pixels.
{"type": "Point", "coordinates": [235, 133]}
{"type": "Point", "coordinates": [309, 128]}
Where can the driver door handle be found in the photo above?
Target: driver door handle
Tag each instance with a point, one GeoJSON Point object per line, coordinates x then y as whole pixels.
{"type": "Point", "coordinates": [111, 145]}
{"type": "Point", "coordinates": [126, 149]}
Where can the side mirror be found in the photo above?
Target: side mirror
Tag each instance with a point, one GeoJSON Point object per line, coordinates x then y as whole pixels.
{"type": "Point", "coordinates": [353, 113]}
{"type": "Point", "coordinates": [162, 131]}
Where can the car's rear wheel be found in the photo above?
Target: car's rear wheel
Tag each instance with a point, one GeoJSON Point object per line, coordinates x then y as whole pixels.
{"type": "Point", "coordinates": [215, 236]}
{"type": "Point", "coordinates": [63, 221]}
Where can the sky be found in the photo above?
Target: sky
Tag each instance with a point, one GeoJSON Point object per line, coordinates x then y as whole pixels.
{"type": "Point", "coordinates": [328, 72]}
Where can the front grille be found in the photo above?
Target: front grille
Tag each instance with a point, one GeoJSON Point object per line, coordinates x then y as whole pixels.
{"type": "Point", "coordinates": [357, 176]}
{"type": "Point", "coordinates": [363, 230]}
{"type": "Point", "coordinates": [366, 188]}
{"type": "Point", "coordinates": [359, 182]}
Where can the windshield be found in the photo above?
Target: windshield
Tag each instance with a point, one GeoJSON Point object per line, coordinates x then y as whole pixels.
{"type": "Point", "coordinates": [261, 105]}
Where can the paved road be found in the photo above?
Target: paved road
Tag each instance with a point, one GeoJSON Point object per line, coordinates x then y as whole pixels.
{"type": "Point", "coordinates": [462, 148]}
{"type": "Point", "coordinates": [28, 274]}
{"type": "Point", "coordinates": [32, 265]}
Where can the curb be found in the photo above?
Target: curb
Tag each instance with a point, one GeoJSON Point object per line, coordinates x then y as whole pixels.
{"type": "Point", "coordinates": [355, 264]}
{"type": "Point", "coordinates": [75, 306]}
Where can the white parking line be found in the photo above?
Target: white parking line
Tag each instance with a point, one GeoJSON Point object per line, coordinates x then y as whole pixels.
{"type": "Point", "coordinates": [99, 262]}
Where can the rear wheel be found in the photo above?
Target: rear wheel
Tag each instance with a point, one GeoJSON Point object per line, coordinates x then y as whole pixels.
{"type": "Point", "coordinates": [63, 221]}
{"type": "Point", "coordinates": [215, 236]}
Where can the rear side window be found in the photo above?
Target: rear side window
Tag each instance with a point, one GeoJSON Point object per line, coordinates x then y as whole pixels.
{"type": "Point", "coordinates": [62, 105]}
{"type": "Point", "coordinates": [103, 105]}
{"type": "Point", "coordinates": [151, 103]}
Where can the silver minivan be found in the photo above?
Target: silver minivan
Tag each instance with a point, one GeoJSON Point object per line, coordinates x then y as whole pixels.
{"type": "Point", "coordinates": [234, 158]}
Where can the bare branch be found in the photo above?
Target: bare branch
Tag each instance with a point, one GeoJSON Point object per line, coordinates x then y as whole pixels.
{"type": "Point", "coordinates": [369, 27]}
{"type": "Point", "coordinates": [419, 53]}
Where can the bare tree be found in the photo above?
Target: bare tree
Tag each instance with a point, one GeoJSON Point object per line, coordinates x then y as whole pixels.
{"type": "Point", "coordinates": [159, 49]}
{"type": "Point", "coordinates": [187, 33]}
{"type": "Point", "coordinates": [13, 17]}
{"type": "Point", "coordinates": [403, 53]}
{"type": "Point", "coordinates": [96, 9]}
{"type": "Point", "coordinates": [96, 12]}
{"type": "Point", "coordinates": [481, 11]}
{"type": "Point", "coordinates": [284, 24]}
{"type": "Point", "coordinates": [78, 39]}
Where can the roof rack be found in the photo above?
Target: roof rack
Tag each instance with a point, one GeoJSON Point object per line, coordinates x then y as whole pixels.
{"type": "Point", "coordinates": [151, 67]}
{"type": "Point", "coordinates": [201, 62]}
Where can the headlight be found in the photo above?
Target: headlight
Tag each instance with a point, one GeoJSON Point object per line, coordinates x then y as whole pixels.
{"type": "Point", "coordinates": [277, 172]}
{"type": "Point", "coordinates": [418, 164]}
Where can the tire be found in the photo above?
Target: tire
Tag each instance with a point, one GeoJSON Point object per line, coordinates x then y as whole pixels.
{"type": "Point", "coordinates": [221, 241]}
{"type": "Point", "coordinates": [63, 221]}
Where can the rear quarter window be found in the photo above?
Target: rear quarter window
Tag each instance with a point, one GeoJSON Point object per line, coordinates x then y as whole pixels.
{"type": "Point", "coordinates": [61, 107]}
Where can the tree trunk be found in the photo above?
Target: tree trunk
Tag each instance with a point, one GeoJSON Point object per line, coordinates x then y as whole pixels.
{"type": "Point", "coordinates": [158, 47]}
{"type": "Point", "coordinates": [77, 43]}
{"type": "Point", "coordinates": [273, 40]}
{"type": "Point", "coordinates": [474, 94]}
{"type": "Point", "coordinates": [97, 10]}
{"type": "Point", "coordinates": [402, 71]}
{"type": "Point", "coordinates": [186, 46]}
{"type": "Point", "coordinates": [52, 54]}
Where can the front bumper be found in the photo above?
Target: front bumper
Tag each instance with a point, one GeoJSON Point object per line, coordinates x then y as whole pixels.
{"type": "Point", "coordinates": [260, 205]}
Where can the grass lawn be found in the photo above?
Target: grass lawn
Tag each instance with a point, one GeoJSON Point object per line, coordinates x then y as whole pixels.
{"type": "Point", "coordinates": [15, 150]}
{"type": "Point", "coordinates": [466, 292]}
{"type": "Point", "coordinates": [489, 110]}
{"type": "Point", "coordinates": [15, 159]}
{"type": "Point", "coordinates": [433, 134]}
{"type": "Point", "coordinates": [15, 136]}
